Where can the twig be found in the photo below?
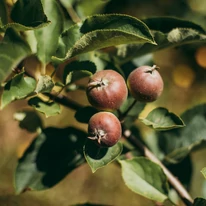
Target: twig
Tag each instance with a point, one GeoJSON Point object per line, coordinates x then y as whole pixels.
{"type": "Point", "coordinates": [122, 116]}
{"type": "Point", "coordinates": [185, 196]}
{"type": "Point", "coordinates": [72, 13]}
{"type": "Point", "coordinates": [61, 99]}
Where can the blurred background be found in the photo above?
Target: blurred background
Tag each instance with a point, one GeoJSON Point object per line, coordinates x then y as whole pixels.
{"type": "Point", "coordinates": [183, 70]}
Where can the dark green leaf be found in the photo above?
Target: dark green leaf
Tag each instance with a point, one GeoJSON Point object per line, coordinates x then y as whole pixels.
{"type": "Point", "coordinates": [3, 13]}
{"type": "Point", "coordinates": [99, 157]}
{"type": "Point", "coordinates": [146, 178]}
{"type": "Point", "coordinates": [199, 202]}
{"type": "Point", "coordinates": [100, 31]}
{"type": "Point", "coordinates": [166, 24]}
{"type": "Point", "coordinates": [18, 87]}
{"type": "Point", "coordinates": [47, 108]}
{"type": "Point", "coordinates": [44, 84]}
{"type": "Point", "coordinates": [161, 119]}
{"type": "Point", "coordinates": [26, 15]}
{"type": "Point", "coordinates": [48, 37]}
{"type": "Point", "coordinates": [77, 70]}
{"type": "Point", "coordinates": [84, 114]}
{"type": "Point", "coordinates": [178, 143]}
{"type": "Point", "coordinates": [13, 49]}
{"type": "Point", "coordinates": [29, 120]}
{"type": "Point", "coordinates": [167, 32]}
{"type": "Point", "coordinates": [203, 171]}
{"type": "Point", "coordinates": [50, 157]}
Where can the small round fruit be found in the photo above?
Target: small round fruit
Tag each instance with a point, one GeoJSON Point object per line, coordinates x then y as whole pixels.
{"type": "Point", "coordinates": [107, 90]}
{"type": "Point", "coordinates": [105, 129]}
{"type": "Point", "coordinates": [145, 83]}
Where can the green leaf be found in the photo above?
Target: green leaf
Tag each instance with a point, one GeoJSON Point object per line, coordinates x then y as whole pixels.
{"type": "Point", "coordinates": [51, 156]}
{"type": "Point", "coordinates": [161, 119]}
{"type": "Point", "coordinates": [199, 202]}
{"type": "Point", "coordinates": [18, 87]}
{"type": "Point", "coordinates": [27, 15]}
{"type": "Point", "coordinates": [167, 32]}
{"type": "Point", "coordinates": [178, 143]}
{"type": "Point", "coordinates": [3, 13]}
{"type": "Point", "coordinates": [203, 171]}
{"type": "Point", "coordinates": [44, 84]}
{"type": "Point", "coordinates": [48, 37]}
{"type": "Point", "coordinates": [100, 157]}
{"type": "Point", "coordinates": [13, 49]}
{"type": "Point", "coordinates": [47, 108]}
{"type": "Point", "coordinates": [77, 70]}
{"type": "Point", "coordinates": [100, 31]}
{"type": "Point", "coordinates": [166, 24]}
{"type": "Point", "coordinates": [84, 114]}
{"type": "Point", "coordinates": [146, 178]}
{"type": "Point", "coordinates": [29, 120]}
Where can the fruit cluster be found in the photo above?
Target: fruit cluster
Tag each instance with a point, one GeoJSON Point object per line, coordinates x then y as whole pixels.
{"type": "Point", "coordinates": [107, 91]}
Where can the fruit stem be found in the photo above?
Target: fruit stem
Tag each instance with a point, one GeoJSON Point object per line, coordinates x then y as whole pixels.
{"type": "Point", "coordinates": [185, 196]}
{"type": "Point", "coordinates": [122, 116]}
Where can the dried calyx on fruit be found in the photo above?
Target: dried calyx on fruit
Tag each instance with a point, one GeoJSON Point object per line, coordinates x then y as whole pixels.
{"type": "Point", "coordinates": [107, 90]}
{"type": "Point", "coordinates": [105, 129]}
{"type": "Point", "coordinates": [145, 83]}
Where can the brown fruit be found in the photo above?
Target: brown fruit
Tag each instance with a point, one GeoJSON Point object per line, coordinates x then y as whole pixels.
{"type": "Point", "coordinates": [105, 129]}
{"type": "Point", "coordinates": [145, 83]}
{"type": "Point", "coordinates": [107, 90]}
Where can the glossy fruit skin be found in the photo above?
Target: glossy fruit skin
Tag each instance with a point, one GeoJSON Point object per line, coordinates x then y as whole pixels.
{"type": "Point", "coordinates": [145, 83]}
{"type": "Point", "coordinates": [105, 129]}
{"type": "Point", "coordinates": [107, 90]}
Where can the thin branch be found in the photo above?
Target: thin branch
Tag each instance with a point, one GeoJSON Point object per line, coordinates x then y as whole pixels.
{"type": "Point", "coordinates": [185, 196]}
{"type": "Point", "coordinates": [63, 100]}
{"type": "Point", "coordinates": [72, 13]}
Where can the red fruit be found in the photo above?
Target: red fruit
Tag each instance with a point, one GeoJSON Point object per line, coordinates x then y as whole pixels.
{"type": "Point", "coordinates": [145, 83]}
{"type": "Point", "coordinates": [105, 129]}
{"type": "Point", "coordinates": [107, 90]}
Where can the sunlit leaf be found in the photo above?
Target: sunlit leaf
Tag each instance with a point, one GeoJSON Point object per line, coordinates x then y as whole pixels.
{"type": "Point", "coordinates": [99, 157]}
{"type": "Point", "coordinates": [203, 171]}
{"type": "Point", "coordinates": [161, 119]}
{"type": "Point", "coordinates": [77, 70]}
{"type": "Point", "coordinates": [44, 84]}
{"type": "Point", "coordinates": [47, 108]}
{"type": "Point", "coordinates": [29, 120]}
{"type": "Point", "coordinates": [18, 87]}
{"type": "Point", "coordinates": [51, 156]}
{"type": "Point", "coordinates": [146, 178]}
{"type": "Point", "coordinates": [13, 49]}
{"type": "Point", "coordinates": [26, 15]}
{"type": "Point", "coordinates": [48, 37]}
{"type": "Point", "coordinates": [100, 31]}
